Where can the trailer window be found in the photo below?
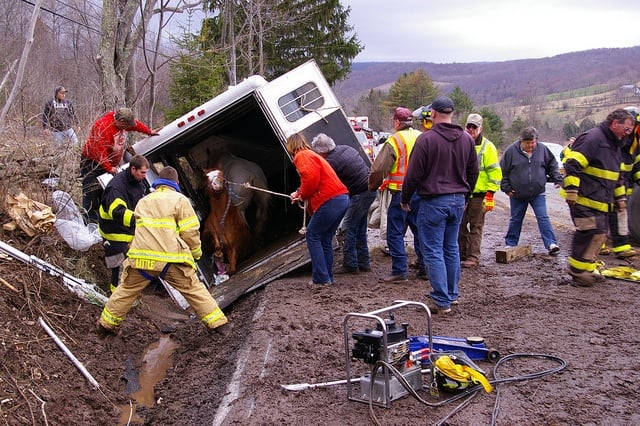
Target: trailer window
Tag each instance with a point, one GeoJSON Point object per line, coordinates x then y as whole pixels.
{"type": "Point", "coordinates": [300, 102]}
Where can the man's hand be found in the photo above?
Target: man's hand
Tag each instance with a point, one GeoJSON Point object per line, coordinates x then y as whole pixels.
{"type": "Point", "coordinates": [130, 150]}
{"type": "Point", "coordinates": [621, 205]}
{"type": "Point", "coordinates": [405, 207]}
{"type": "Point", "coordinates": [571, 196]}
{"type": "Point", "coordinates": [488, 202]}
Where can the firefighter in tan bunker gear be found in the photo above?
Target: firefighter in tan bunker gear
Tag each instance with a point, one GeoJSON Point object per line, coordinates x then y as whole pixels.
{"type": "Point", "coordinates": [166, 243]}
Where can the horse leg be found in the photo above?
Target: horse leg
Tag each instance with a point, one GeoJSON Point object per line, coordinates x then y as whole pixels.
{"type": "Point", "coordinates": [262, 212]}
{"type": "Point", "coordinates": [232, 256]}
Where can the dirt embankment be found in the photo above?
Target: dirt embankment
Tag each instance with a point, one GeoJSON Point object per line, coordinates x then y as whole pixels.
{"type": "Point", "coordinates": [291, 332]}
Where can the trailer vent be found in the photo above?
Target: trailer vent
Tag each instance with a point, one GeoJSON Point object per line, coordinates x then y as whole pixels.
{"type": "Point", "coordinates": [300, 102]}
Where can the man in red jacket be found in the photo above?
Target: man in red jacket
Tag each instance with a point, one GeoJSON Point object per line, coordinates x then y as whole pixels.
{"type": "Point", "coordinates": [102, 153]}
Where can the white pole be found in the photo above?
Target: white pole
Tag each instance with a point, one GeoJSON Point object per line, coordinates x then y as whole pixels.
{"type": "Point", "coordinates": [67, 352]}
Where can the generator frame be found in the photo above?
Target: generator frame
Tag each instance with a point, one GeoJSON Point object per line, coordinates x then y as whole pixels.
{"type": "Point", "coordinates": [375, 316]}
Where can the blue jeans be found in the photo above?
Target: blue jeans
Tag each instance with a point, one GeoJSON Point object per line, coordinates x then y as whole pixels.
{"type": "Point", "coordinates": [439, 221]}
{"type": "Point", "coordinates": [518, 210]}
{"type": "Point", "coordinates": [412, 223]}
{"type": "Point", "coordinates": [320, 232]}
{"type": "Point", "coordinates": [397, 222]}
{"type": "Point", "coordinates": [356, 249]}
{"type": "Point", "coordinates": [60, 137]}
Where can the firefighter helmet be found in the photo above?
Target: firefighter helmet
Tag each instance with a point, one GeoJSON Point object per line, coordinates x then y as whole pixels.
{"type": "Point", "coordinates": [635, 111]}
{"type": "Point", "coordinates": [423, 113]}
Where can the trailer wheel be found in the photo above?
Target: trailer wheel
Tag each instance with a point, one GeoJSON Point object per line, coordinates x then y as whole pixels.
{"type": "Point", "coordinates": [493, 355]}
{"type": "Point", "coordinates": [633, 213]}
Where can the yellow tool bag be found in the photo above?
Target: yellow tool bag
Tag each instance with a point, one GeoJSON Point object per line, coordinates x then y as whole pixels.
{"type": "Point", "coordinates": [454, 372]}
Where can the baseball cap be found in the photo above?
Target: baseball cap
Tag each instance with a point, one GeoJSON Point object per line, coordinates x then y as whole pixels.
{"type": "Point", "coordinates": [402, 114]}
{"type": "Point", "coordinates": [475, 119]}
{"type": "Point", "coordinates": [126, 114]}
{"type": "Point", "coordinates": [443, 104]}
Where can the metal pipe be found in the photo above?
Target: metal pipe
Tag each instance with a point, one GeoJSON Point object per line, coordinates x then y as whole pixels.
{"type": "Point", "coordinates": [68, 353]}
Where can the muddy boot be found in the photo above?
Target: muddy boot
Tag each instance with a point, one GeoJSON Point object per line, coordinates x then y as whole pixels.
{"type": "Point", "coordinates": [584, 278]}
{"type": "Point", "coordinates": [223, 331]}
{"type": "Point", "coordinates": [104, 331]}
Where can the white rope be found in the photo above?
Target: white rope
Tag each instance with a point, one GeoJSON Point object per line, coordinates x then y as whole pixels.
{"type": "Point", "coordinates": [302, 205]}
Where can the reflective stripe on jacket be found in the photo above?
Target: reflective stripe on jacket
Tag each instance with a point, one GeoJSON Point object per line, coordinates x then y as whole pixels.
{"type": "Point", "coordinates": [116, 220]}
{"type": "Point", "coordinates": [167, 231]}
{"type": "Point", "coordinates": [402, 143]}
{"type": "Point", "coordinates": [490, 173]}
{"type": "Point", "coordinates": [593, 168]}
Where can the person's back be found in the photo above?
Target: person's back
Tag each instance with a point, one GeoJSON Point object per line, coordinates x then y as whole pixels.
{"type": "Point", "coordinates": [167, 240]}
{"type": "Point", "coordinates": [442, 162]}
{"type": "Point", "coordinates": [350, 168]}
{"type": "Point", "coordinates": [443, 170]}
{"type": "Point", "coordinates": [167, 229]}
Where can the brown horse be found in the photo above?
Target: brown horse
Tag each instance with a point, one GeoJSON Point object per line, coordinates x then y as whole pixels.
{"type": "Point", "coordinates": [239, 171]}
{"type": "Point", "coordinates": [225, 229]}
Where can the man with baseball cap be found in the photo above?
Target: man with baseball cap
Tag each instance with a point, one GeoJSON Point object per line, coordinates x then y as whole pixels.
{"type": "Point", "coordinates": [481, 199]}
{"type": "Point", "coordinates": [443, 170]}
{"type": "Point", "coordinates": [59, 118]}
{"type": "Point", "coordinates": [103, 152]}
{"type": "Point", "coordinates": [387, 175]}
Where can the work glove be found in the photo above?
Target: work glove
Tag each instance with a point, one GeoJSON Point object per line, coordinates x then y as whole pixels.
{"type": "Point", "coordinates": [488, 202]}
{"type": "Point", "coordinates": [571, 195]}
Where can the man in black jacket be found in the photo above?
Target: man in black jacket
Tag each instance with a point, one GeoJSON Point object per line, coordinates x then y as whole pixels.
{"type": "Point", "coordinates": [116, 222]}
{"type": "Point", "coordinates": [594, 186]}
{"type": "Point", "coordinates": [525, 166]}
{"type": "Point", "coordinates": [58, 118]}
{"type": "Point", "coordinates": [443, 169]}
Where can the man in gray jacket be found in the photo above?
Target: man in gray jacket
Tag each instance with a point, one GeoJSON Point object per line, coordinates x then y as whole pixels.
{"type": "Point", "coordinates": [526, 166]}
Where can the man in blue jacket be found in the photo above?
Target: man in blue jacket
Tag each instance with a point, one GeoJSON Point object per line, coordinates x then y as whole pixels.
{"type": "Point", "coordinates": [525, 165]}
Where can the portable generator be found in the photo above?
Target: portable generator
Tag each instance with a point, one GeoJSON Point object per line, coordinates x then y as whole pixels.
{"type": "Point", "coordinates": [385, 349]}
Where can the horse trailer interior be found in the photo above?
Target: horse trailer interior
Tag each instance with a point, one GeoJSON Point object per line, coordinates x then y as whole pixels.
{"type": "Point", "coordinates": [252, 121]}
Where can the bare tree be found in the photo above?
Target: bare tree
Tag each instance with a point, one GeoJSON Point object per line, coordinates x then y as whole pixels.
{"type": "Point", "coordinates": [124, 24]}
{"type": "Point", "coordinates": [23, 63]}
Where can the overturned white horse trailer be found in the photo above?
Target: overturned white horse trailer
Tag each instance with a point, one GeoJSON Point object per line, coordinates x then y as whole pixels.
{"type": "Point", "coordinates": [252, 121]}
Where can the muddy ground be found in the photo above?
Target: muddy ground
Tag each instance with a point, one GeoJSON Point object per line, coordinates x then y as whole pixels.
{"type": "Point", "coordinates": [290, 332]}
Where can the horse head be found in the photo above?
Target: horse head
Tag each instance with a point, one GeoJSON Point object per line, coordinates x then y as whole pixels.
{"type": "Point", "coordinates": [217, 182]}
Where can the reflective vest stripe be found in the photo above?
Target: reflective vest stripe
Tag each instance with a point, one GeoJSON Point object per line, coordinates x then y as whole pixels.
{"type": "Point", "coordinates": [110, 319]}
{"type": "Point", "coordinates": [212, 317]}
{"type": "Point", "coordinates": [395, 178]}
{"type": "Point", "coordinates": [160, 256]}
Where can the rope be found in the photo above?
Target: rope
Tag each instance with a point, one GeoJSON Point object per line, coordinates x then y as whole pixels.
{"type": "Point", "coordinates": [302, 205]}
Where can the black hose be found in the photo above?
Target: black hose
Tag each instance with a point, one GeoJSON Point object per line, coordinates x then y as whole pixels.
{"type": "Point", "coordinates": [471, 392]}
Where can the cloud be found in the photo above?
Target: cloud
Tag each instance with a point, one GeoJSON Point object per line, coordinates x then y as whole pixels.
{"type": "Point", "coordinates": [491, 30]}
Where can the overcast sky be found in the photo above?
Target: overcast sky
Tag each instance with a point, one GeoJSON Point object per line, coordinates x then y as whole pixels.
{"type": "Point", "coordinates": [489, 30]}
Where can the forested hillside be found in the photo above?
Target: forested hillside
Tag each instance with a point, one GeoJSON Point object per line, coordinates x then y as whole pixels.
{"type": "Point", "coordinates": [513, 82]}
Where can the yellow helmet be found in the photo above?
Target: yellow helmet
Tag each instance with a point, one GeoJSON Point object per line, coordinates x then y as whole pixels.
{"type": "Point", "coordinates": [424, 115]}
{"type": "Point", "coordinates": [635, 111]}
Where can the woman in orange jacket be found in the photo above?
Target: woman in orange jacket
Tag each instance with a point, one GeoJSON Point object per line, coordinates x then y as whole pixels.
{"type": "Point", "coordinates": [328, 200]}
